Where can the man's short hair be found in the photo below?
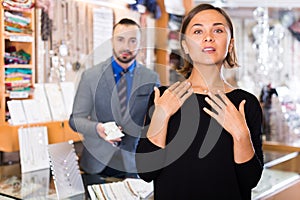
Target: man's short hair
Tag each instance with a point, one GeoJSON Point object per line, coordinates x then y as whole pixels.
{"type": "Point", "coordinates": [126, 21]}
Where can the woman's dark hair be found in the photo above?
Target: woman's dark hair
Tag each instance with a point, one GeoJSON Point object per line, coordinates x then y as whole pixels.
{"type": "Point", "coordinates": [230, 60]}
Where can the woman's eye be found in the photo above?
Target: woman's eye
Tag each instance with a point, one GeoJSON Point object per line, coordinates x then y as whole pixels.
{"type": "Point", "coordinates": [197, 31]}
{"type": "Point", "coordinates": [219, 31]}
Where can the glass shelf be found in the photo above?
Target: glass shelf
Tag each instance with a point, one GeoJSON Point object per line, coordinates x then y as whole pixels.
{"type": "Point", "coordinates": [274, 179]}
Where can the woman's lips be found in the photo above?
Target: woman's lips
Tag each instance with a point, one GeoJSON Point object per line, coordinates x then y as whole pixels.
{"type": "Point", "coordinates": [208, 50]}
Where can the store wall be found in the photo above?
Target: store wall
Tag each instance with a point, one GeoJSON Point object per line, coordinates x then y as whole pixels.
{"type": "Point", "coordinates": [250, 76]}
{"type": "Point", "coordinates": [73, 25]}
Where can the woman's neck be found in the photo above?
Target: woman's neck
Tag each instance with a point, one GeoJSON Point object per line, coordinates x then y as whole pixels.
{"type": "Point", "coordinates": [208, 79]}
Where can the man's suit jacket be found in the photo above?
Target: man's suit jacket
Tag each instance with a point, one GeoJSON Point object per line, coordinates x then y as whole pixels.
{"type": "Point", "coordinates": [96, 100]}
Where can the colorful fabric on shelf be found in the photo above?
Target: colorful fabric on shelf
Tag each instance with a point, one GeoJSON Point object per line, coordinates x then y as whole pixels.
{"type": "Point", "coordinates": [17, 74]}
{"type": "Point", "coordinates": [16, 22]}
{"type": "Point", "coordinates": [25, 30]}
{"type": "Point", "coordinates": [16, 18]}
{"type": "Point", "coordinates": [17, 79]}
{"type": "Point", "coordinates": [21, 70]}
{"type": "Point", "coordinates": [12, 29]}
{"type": "Point", "coordinates": [16, 57]}
{"type": "Point", "coordinates": [18, 83]}
{"type": "Point", "coordinates": [18, 4]}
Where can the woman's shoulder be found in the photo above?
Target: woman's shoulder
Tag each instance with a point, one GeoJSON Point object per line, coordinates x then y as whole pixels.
{"type": "Point", "coordinates": [241, 94]}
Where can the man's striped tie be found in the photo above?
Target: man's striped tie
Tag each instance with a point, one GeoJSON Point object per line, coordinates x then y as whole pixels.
{"type": "Point", "coordinates": [122, 92]}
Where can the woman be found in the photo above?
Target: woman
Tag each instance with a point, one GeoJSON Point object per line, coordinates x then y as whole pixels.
{"type": "Point", "coordinates": [202, 137]}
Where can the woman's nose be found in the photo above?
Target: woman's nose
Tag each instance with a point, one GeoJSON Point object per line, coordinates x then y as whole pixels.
{"type": "Point", "coordinates": [208, 38]}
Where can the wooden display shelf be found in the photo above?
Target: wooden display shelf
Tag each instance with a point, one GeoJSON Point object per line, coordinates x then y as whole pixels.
{"type": "Point", "coordinates": [279, 146]}
{"type": "Point", "coordinates": [58, 131]}
{"type": "Point", "coordinates": [20, 41]}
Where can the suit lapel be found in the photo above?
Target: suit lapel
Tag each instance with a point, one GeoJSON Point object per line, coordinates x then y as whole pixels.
{"type": "Point", "coordinates": [109, 76]}
{"type": "Point", "coordinates": [136, 79]}
{"type": "Point", "coordinates": [110, 85]}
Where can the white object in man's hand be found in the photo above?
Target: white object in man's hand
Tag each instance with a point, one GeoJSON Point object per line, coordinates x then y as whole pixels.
{"type": "Point", "coordinates": [112, 131]}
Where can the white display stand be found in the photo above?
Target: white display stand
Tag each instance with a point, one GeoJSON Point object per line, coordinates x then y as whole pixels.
{"type": "Point", "coordinates": [66, 174]}
{"type": "Point", "coordinates": [33, 143]}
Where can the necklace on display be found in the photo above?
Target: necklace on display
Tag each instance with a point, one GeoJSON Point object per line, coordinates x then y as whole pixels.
{"type": "Point", "coordinates": [63, 48]}
{"type": "Point", "coordinates": [77, 65]}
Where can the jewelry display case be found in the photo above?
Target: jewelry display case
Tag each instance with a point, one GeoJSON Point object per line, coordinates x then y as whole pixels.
{"type": "Point", "coordinates": [280, 177]}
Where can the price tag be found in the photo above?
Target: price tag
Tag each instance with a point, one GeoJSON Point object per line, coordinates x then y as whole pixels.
{"type": "Point", "coordinates": [18, 95]}
{"type": "Point", "coordinates": [21, 38]}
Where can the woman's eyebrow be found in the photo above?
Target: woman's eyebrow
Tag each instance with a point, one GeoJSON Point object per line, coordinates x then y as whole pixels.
{"type": "Point", "coordinates": [214, 24]}
{"type": "Point", "coordinates": [197, 25]}
{"type": "Point", "coordinates": [218, 23]}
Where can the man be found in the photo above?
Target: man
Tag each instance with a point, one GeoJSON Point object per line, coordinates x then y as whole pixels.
{"type": "Point", "coordinates": [98, 101]}
{"type": "Point", "coordinates": [265, 99]}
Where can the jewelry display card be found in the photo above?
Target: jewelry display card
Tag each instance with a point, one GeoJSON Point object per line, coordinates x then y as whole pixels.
{"type": "Point", "coordinates": [42, 102]}
{"type": "Point", "coordinates": [52, 102]}
{"type": "Point", "coordinates": [16, 111]}
{"type": "Point", "coordinates": [68, 91]}
{"type": "Point", "coordinates": [112, 131]}
{"type": "Point", "coordinates": [66, 174]}
{"type": "Point", "coordinates": [130, 188]}
{"type": "Point", "coordinates": [35, 185]}
{"type": "Point", "coordinates": [32, 112]}
{"type": "Point", "coordinates": [33, 143]}
{"type": "Point", "coordinates": [56, 102]}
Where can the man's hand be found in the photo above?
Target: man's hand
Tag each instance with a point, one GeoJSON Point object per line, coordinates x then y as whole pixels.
{"type": "Point", "coordinates": [101, 132]}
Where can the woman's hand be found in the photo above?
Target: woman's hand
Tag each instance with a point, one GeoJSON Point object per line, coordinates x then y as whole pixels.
{"type": "Point", "coordinates": [173, 97]}
{"type": "Point", "coordinates": [234, 122]}
{"type": "Point", "coordinates": [165, 106]}
{"type": "Point", "coordinates": [227, 115]}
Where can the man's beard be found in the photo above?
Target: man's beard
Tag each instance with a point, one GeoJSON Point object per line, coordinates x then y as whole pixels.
{"type": "Point", "coordinates": [125, 60]}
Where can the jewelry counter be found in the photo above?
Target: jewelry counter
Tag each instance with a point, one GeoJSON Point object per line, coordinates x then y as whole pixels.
{"type": "Point", "coordinates": [280, 178]}
{"type": "Point", "coordinates": [31, 185]}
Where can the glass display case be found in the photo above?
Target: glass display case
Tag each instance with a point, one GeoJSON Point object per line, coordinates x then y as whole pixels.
{"type": "Point", "coordinates": [280, 173]}
{"type": "Point", "coordinates": [274, 178]}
